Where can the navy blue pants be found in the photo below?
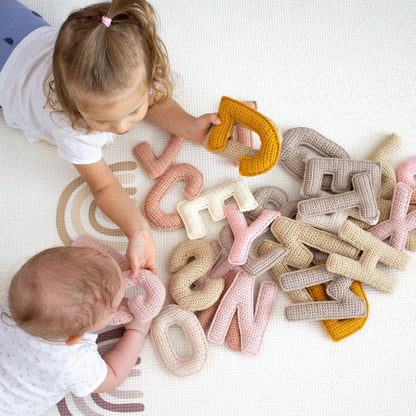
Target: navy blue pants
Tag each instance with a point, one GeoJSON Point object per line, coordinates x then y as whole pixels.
{"type": "Point", "coordinates": [16, 22]}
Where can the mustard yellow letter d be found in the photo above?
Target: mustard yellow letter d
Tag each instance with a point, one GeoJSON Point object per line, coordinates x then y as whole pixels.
{"type": "Point", "coordinates": [231, 111]}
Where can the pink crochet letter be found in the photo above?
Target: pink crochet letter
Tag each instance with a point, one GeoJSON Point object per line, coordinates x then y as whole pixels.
{"type": "Point", "coordinates": [153, 166]}
{"type": "Point", "coordinates": [193, 186]}
{"type": "Point", "coordinates": [146, 307]}
{"type": "Point", "coordinates": [406, 173]}
{"type": "Point", "coordinates": [239, 298]}
{"type": "Point", "coordinates": [399, 224]}
{"type": "Point", "coordinates": [244, 235]}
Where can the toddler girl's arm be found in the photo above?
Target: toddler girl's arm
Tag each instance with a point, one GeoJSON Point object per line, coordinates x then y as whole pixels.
{"type": "Point", "coordinates": [170, 116]}
{"type": "Point", "coordinates": [113, 200]}
{"type": "Point", "coordinates": [121, 359]}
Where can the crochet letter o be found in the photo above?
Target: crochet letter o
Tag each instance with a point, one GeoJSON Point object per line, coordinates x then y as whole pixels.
{"type": "Point", "coordinates": [174, 315]}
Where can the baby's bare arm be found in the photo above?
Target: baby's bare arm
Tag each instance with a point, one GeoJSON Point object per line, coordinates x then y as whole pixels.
{"type": "Point", "coordinates": [121, 359]}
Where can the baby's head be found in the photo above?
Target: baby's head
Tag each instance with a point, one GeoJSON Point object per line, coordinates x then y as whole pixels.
{"type": "Point", "coordinates": [102, 75]}
{"type": "Point", "coordinates": [63, 292]}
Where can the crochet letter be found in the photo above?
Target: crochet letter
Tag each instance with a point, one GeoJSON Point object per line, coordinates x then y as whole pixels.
{"type": "Point", "coordinates": [193, 186]}
{"type": "Point", "coordinates": [174, 315]}
{"type": "Point", "coordinates": [153, 166]}
{"type": "Point", "coordinates": [252, 324]}
{"type": "Point", "coordinates": [231, 111]}
{"type": "Point", "coordinates": [245, 235]}
{"type": "Point", "coordinates": [373, 251]}
{"type": "Point", "coordinates": [213, 200]}
{"type": "Point", "coordinates": [185, 274]}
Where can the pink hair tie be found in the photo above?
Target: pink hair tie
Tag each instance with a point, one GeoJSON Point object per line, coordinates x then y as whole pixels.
{"type": "Point", "coordinates": [106, 21]}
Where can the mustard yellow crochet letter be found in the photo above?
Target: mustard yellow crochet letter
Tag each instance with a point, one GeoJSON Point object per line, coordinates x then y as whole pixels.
{"type": "Point", "coordinates": [231, 111]}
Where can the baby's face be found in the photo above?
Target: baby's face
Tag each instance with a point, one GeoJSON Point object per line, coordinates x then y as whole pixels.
{"type": "Point", "coordinates": [119, 112]}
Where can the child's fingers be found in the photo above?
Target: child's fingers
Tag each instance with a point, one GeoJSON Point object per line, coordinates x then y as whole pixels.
{"type": "Point", "coordinates": [215, 119]}
{"type": "Point", "coordinates": [133, 265]}
{"type": "Point", "coordinates": [134, 273]}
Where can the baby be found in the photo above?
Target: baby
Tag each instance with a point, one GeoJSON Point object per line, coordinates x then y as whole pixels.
{"type": "Point", "coordinates": [47, 346]}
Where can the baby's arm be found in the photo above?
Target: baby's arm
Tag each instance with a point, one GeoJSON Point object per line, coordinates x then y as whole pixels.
{"type": "Point", "coordinates": [170, 116]}
{"type": "Point", "coordinates": [122, 358]}
{"type": "Point", "coordinates": [114, 201]}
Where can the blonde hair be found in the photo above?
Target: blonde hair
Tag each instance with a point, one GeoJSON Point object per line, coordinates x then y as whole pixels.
{"type": "Point", "coordinates": [63, 291]}
{"type": "Point", "coordinates": [91, 57]}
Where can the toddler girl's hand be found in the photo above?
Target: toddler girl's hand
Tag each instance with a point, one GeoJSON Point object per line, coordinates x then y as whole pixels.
{"type": "Point", "coordinates": [201, 125]}
{"type": "Point", "coordinates": [141, 252]}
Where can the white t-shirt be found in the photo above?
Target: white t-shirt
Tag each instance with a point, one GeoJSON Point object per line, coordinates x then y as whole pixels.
{"type": "Point", "coordinates": [35, 374]}
{"type": "Point", "coordinates": [22, 100]}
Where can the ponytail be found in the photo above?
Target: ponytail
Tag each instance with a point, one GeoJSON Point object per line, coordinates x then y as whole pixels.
{"type": "Point", "coordinates": [93, 57]}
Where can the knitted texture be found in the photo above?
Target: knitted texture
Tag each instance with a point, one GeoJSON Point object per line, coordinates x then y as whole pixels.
{"type": "Point", "coordinates": [244, 235]}
{"type": "Point", "coordinates": [174, 315]}
{"type": "Point", "coordinates": [406, 174]}
{"type": "Point", "coordinates": [383, 154]}
{"type": "Point", "coordinates": [362, 198]}
{"type": "Point", "coordinates": [241, 134]}
{"type": "Point", "coordinates": [239, 143]}
{"type": "Point", "coordinates": [201, 281]}
{"type": "Point", "coordinates": [253, 266]}
{"type": "Point", "coordinates": [234, 151]}
{"type": "Point", "coordinates": [153, 166]}
{"type": "Point", "coordinates": [206, 316]}
{"type": "Point", "coordinates": [338, 329]}
{"type": "Point", "coordinates": [213, 200]}
{"type": "Point", "coordinates": [239, 298]}
{"type": "Point", "coordinates": [231, 111]}
{"type": "Point", "coordinates": [194, 182]}
{"type": "Point", "coordinates": [143, 307]}
{"type": "Point", "coordinates": [319, 257]}
{"type": "Point", "coordinates": [373, 251]}
{"type": "Point", "coordinates": [185, 273]}
{"type": "Point", "coordinates": [272, 195]}
{"type": "Point", "coordinates": [267, 247]}
{"type": "Point", "coordinates": [384, 206]}
{"type": "Point", "coordinates": [300, 142]}
{"type": "Point", "coordinates": [398, 226]}
{"type": "Point", "coordinates": [297, 237]}
{"type": "Point", "coordinates": [341, 172]}
{"type": "Point", "coordinates": [345, 303]}
{"type": "Point", "coordinates": [328, 222]}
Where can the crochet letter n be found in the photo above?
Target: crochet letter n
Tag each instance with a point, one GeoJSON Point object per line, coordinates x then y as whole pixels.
{"type": "Point", "coordinates": [239, 298]}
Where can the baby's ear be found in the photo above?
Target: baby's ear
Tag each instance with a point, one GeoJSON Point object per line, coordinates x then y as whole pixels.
{"type": "Point", "coordinates": [73, 339]}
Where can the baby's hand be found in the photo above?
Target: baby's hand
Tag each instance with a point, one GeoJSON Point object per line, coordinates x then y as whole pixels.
{"type": "Point", "coordinates": [141, 252]}
{"type": "Point", "coordinates": [202, 124]}
{"type": "Point", "coordinates": [142, 327]}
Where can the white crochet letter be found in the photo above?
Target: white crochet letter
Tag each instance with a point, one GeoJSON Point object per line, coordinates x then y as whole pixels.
{"type": "Point", "coordinates": [213, 200]}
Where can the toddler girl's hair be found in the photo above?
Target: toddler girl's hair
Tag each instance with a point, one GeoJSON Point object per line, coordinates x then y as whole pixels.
{"type": "Point", "coordinates": [91, 57]}
{"type": "Point", "coordinates": [63, 291]}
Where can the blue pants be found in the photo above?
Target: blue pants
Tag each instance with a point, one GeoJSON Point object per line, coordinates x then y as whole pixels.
{"type": "Point", "coordinates": [16, 22]}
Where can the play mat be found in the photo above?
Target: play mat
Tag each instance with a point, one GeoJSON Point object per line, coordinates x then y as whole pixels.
{"type": "Point", "coordinates": [334, 88]}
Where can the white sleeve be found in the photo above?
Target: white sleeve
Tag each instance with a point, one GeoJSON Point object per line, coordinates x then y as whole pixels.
{"type": "Point", "coordinates": [77, 151]}
{"type": "Point", "coordinates": [86, 373]}
{"type": "Point", "coordinates": [79, 148]}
